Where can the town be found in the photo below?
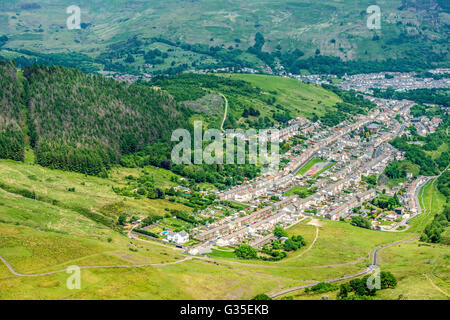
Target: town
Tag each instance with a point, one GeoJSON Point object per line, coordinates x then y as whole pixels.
{"type": "Point", "coordinates": [325, 175]}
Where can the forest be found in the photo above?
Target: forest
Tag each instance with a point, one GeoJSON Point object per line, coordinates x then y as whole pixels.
{"type": "Point", "coordinates": [433, 96]}
{"type": "Point", "coordinates": [80, 122]}
{"type": "Point", "coordinates": [417, 154]}
{"type": "Point", "coordinates": [12, 140]}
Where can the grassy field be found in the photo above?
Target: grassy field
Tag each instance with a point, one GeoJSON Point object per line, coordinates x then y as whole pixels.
{"type": "Point", "coordinates": [411, 263]}
{"type": "Point", "coordinates": [294, 190]}
{"type": "Point", "coordinates": [37, 236]}
{"type": "Point", "coordinates": [432, 202]}
{"type": "Point", "coordinates": [299, 98]}
{"type": "Point", "coordinates": [309, 165]}
{"type": "Point", "coordinates": [91, 194]}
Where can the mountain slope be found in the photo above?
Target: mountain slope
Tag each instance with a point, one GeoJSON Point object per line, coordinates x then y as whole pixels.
{"type": "Point", "coordinates": [12, 143]}
{"type": "Point", "coordinates": [82, 122]}
{"type": "Point", "coordinates": [119, 39]}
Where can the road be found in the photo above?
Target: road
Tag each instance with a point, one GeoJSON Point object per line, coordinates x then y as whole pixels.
{"type": "Point", "coordinates": [419, 209]}
{"type": "Point", "coordinates": [93, 267]}
{"type": "Point", "coordinates": [225, 114]}
{"type": "Point", "coordinates": [272, 295]}
{"type": "Point", "coordinates": [351, 276]}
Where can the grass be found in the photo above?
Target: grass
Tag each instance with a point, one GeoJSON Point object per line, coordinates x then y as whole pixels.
{"type": "Point", "coordinates": [36, 236]}
{"type": "Point", "coordinates": [222, 254]}
{"type": "Point", "coordinates": [432, 202]}
{"type": "Point", "coordinates": [92, 194]}
{"type": "Point", "coordinates": [409, 262]}
{"type": "Point", "coordinates": [294, 190]}
{"type": "Point", "coordinates": [309, 165]}
{"type": "Point", "coordinates": [161, 177]}
{"type": "Point", "coordinates": [299, 98]}
{"type": "Point", "coordinates": [327, 167]}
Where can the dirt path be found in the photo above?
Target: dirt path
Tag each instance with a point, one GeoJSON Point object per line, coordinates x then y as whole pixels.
{"type": "Point", "coordinates": [347, 277]}
{"type": "Point", "coordinates": [93, 267]}
{"type": "Point", "coordinates": [315, 223]}
{"type": "Point", "coordinates": [435, 286]}
{"type": "Point", "coordinates": [226, 112]}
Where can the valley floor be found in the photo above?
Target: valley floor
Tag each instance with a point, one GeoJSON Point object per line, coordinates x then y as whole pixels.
{"type": "Point", "coordinates": [40, 236]}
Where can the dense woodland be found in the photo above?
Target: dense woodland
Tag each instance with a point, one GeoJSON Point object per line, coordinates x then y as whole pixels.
{"type": "Point", "coordinates": [81, 122]}
{"type": "Point", "coordinates": [433, 96]}
{"type": "Point", "coordinates": [417, 154]}
{"type": "Point", "coordinates": [12, 141]}
{"type": "Point", "coordinates": [438, 230]}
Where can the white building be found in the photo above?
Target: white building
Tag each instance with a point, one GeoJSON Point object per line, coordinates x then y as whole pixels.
{"type": "Point", "coordinates": [178, 237]}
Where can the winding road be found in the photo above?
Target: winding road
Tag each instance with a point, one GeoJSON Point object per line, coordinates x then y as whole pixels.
{"type": "Point", "coordinates": [226, 112]}
{"type": "Point", "coordinates": [93, 267]}
{"type": "Point", "coordinates": [356, 275]}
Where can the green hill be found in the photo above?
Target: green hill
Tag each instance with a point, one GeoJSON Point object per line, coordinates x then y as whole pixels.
{"type": "Point", "coordinates": [273, 99]}
{"type": "Point", "coordinates": [181, 35]}
{"type": "Point", "coordinates": [12, 143]}
{"type": "Point", "coordinates": [81, 122]}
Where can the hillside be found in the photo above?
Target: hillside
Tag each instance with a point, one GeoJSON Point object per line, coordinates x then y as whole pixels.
{"type": "Point", "coordinates": [83, 122]}
{"type": "Point", "coordinates": [11, 116]}
{"type": "Point", "coordinates": [38, 236]}
{"type": "Point", "coordinates": [86, 123]}
{"type": "Point", "coordinates": [274, 99]}
{"type": "Point", "coordinates": [148, 37]}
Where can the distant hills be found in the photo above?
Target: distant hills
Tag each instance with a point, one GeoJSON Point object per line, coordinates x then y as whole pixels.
{"type": "Point", "coordinates": [175, 35]}
{"type": "Point", "coordinates": [79, 122]}
{"type": "Point", "coordinates": [87, 123]}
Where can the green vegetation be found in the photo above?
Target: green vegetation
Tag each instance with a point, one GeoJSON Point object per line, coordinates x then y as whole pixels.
{"type": "Point", "coordinates": [12, 139]}
{"type": "Point", "coordinates": [419, 155]}
{"type": "Point", "coordinates": [98, 116]}
{"type": "Point", "coordinates": [309, 165]}
{"type": "Point", "coordinates": [280, 232]}
{"type": "Point", "coordinates": [394, 171]}
{"type": "Point", "coordinates": [361, 222]}
{"type": "Point", "coordinates": [261, 297]}
{"type": "Point", "coordinates": [433, 96]}
{"type": "Point", "coordinates": [246, 252]}
{"type": "Point", "coordinates": [301, 192]}
{"type": "Point", "coordinates": [255, 101]}
{"type": "Point", "coordinates": [360, 289]}
{"type": "Point", "coordinates": [353, 104]}
{"type": "Point", "coordinates": [437, 230]}
{"type": "Point", "coordinates": [322, 287]}
{"type": "Point", "coordinates": [384, 201]}
{"type": "Point", "coordinates": [247, 34]}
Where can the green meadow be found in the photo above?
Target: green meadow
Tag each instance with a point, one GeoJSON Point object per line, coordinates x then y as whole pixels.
{"type": "Point", "coordinates": [40, 236]}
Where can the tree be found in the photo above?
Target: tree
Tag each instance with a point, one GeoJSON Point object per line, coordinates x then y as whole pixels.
{"type": "Point", "coordinates": [129, 59]}
{"type": "Point", "coordinates": [261, 297]}
{"type": "Point", "coordinates": [121, 220]}
{"type": "Point", "coordinates": [387, 280]}
{"type": "Point", "coordinates": [361, 222]}
{"type": "Point", "coordinates": [290, 245]}
{"type": "Point", "coordinates": [279, 232]}
{"type": "Point", "coordinates": [245, 251]}
{"type": "Point", "coordinates": [394, 171]}
{"type": "Point", "coordinates": [344, 290]}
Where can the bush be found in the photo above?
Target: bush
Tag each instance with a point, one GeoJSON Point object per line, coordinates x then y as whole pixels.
{"type": "Point", "coordinates": [245, 251]}
{"type": "Point", "coordinates": [323, 287]}
{"type": "Point", "coordinates": [261, 297]}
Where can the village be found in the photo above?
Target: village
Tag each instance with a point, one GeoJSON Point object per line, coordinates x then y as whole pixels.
{"type": "Point", "coordinates": [325, 176]}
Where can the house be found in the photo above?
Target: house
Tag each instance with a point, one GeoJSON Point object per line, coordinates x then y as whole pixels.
{"type": "Point", "coordinates": [390, 217]}
{"type": "Point", "coordinates": [178, 237]}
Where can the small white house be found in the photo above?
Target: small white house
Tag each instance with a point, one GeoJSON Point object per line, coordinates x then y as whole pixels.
{"type": "Point", "coordinates": [178, 237]}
